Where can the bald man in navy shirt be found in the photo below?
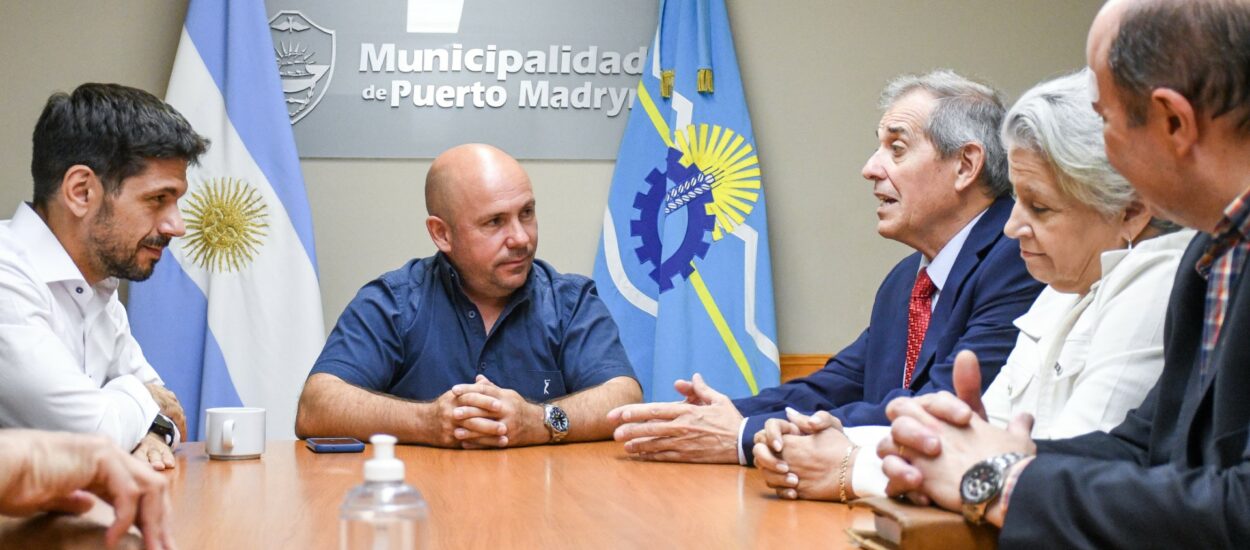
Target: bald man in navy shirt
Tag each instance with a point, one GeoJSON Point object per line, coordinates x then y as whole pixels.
{"type": "Point", "coordinates": [480, 345]}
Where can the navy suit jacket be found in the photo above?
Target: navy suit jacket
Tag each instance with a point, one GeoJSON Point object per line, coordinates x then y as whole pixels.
{"type": "Point", "coordinates": [1176, 472]}
{"type": "Point", "coordinates": [988, 287]}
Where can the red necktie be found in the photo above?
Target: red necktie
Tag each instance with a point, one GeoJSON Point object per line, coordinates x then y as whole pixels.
{"type": "Point", "coordinates": [918, 312]}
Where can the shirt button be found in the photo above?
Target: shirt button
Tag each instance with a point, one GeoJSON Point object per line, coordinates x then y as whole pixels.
{"type": "Point", "coordinates": [472, 314]}
{"type": "Point", "coordinates": [78, 290]}
{"type": "Point", "coordinates": [1058, 369]}
{"type": "Point", "coordinates": [481, 366]}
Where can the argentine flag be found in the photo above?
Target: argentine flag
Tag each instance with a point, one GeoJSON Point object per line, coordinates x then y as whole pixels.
{"type": "Point", "coordinates": [683, 263]}
{"type": "Point", "coordinates": [232, 314]}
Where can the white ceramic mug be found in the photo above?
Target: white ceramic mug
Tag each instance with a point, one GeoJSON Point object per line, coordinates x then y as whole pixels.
{"type": "Point", "coordinates": [235, 433]}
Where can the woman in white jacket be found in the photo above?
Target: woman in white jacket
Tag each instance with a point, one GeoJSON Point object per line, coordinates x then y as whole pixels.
{"type": "Point", "coordinates": [1089, 348]}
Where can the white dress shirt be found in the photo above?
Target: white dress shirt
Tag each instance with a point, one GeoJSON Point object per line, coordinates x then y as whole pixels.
{"type": "Point", "coordinates": [1080, 362]}
{"type": "Point", "coordinates": [939, 268]}
{"type": "Point", "coordinates": [67, 359]}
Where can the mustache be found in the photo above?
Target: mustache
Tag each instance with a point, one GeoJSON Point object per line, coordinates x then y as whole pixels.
{"type": "Point", "coordinates": [156, 241]}
{"type": "Point", "coordinates": [529, 254]}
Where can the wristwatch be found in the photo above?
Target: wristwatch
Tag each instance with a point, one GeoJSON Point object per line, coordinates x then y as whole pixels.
{"type": "Point", "coordinates": [556, 421]}
{"type": "Point", "coordinates": [983, 483]}
{"type": "Point", "coordinates": [163, 427]}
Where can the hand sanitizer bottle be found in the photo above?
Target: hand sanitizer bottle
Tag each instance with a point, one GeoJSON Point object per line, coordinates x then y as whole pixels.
{"type": "Point", "coordinates": [384, 513]}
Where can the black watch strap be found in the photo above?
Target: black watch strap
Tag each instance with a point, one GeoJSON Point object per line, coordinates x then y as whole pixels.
{"type": "Point", "coordinates": [163, 427]}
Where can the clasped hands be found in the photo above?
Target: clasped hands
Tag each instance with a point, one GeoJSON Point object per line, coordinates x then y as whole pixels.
{"type": "Point", "coordinates": [805, 456]}
{"type": "Point", "coordinates": [483, 415]}
{"type": "Point", "coordinates": [937, 437]}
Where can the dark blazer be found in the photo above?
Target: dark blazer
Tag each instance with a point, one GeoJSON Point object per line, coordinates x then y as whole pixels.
{"type": "Point", "coordinates": [1176, 473]}
{"type": "Point", "coordinates": [988, 287]}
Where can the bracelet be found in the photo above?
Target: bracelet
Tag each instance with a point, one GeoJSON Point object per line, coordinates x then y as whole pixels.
{"type": "Point", "coordinates": [1013, 475]}
{"type": "Point", "coordinates": [846, 461]}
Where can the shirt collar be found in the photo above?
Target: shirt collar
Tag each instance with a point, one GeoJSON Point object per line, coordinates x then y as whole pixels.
{"type": "Point", "coordinates": [51, 261]}
{"type": "Point", "coordinates": [1236, 217]}
{"type": "Point", "coordinates": [452, 279]}
{"type": "Point", "coordinates": [1044, 316]}
{"type": "Point", "coordinates": [1233, 228]}
{"type": "Point", "coordinates": [940, 267]}
{"type": "Point", "coordinates": [1112, 258]}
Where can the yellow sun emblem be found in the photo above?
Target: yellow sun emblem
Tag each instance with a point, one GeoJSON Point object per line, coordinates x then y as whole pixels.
{"type": "Point", "coordinates": [226, 219]}
{"type": "Point", "coordinates": [732, 167]}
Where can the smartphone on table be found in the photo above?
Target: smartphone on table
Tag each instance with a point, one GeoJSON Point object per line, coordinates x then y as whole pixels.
{"type": "Point", "coordinates": [334, 445]}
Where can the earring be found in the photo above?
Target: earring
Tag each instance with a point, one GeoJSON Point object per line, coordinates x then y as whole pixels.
{"type": "Point", "coordinates": [1130, 244]}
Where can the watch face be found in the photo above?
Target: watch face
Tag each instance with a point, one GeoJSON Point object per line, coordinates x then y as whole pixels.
{"type": "Point", "coordinates": [980, 483]}
{"type": "Point", "coordinates": [559, 420]}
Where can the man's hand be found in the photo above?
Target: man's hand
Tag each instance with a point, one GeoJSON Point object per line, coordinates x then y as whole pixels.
{"type": "Point", "coordinates": [967, 381]}
{"type": "Point", "coordinates": [928, 455]}
{"type": "Point", "coordinates": [489, 416]}
{"type": "Point", "coordinates": [170, 407]}
{"type": "Point", "coordinates": [703, 428]}
{"type": "Point", "coordinates": [153, 450]}
{"type": "Point", "coordinates": [442, 421]}
{"type": "Point", "coordinates": [904, 478]}
{"type": "Point", "coordinates": [44, 471]}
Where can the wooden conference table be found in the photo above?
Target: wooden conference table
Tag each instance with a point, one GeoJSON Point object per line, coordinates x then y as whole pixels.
{"type": "Point", "coordinates": [587, 495]}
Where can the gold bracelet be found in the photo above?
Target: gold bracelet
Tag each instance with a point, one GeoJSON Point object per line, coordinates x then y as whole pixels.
{"type": "Point", "coordinates": [846, 461]}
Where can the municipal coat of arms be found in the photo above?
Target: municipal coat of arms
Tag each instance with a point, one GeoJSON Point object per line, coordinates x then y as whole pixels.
{"type": "Point", "coordinates": [305, 54]}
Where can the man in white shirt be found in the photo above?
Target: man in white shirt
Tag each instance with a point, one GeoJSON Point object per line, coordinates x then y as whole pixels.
{"type": "Point", "coordinates": [109, 163]}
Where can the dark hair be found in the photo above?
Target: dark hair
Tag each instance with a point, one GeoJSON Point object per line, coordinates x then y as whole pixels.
{"type": "Point", "coordinates": [1200, 49]}
{"type": "Point", "coordinates": [112, 129]}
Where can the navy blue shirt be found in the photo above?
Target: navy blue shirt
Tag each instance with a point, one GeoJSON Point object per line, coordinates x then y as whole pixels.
{"type": "Point", "coordinates": [414, 334]}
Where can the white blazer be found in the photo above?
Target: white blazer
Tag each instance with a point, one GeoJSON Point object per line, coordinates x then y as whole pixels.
{"type": "Point", "coordinates": [1080, 362]}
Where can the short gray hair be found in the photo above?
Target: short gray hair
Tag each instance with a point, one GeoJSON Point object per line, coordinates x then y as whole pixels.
{"type": "Point", "coordinates": [966, 112]}
{"type": "Point", "coordinates": [1056, 119]}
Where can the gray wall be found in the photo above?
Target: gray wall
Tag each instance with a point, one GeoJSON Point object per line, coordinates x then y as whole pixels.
{"type": "Point", "coordinates": [812, 70]}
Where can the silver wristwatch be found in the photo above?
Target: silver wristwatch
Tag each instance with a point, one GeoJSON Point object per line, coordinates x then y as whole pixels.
{"type": "Point", "coordinates": [556, 421]}
{"type": "Point", "coordinates": [983, 483]}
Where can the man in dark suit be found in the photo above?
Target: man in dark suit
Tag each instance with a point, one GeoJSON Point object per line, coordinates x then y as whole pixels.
{"type": "Point", "coordinates": [1175, 97]}
{"type": "Point", "coordinates": [940, 175]}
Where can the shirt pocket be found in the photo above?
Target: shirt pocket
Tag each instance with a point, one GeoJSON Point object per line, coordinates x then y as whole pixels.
{"type": "Point", "coordinates": [1071, 360]}
{"type": "Point", "coordinates": [1018, 380]}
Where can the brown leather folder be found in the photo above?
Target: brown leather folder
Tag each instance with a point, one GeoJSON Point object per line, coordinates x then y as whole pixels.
{"type": "Point", "coordinates": [903, 526]}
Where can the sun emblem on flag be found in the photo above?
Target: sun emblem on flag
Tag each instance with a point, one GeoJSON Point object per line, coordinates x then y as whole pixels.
{"type": "Point", "coordinates": [729, 169]}
{"type": "Point", "coordinates": [226, 220]}
{"type": "Point", "coordinates": [715, 179]}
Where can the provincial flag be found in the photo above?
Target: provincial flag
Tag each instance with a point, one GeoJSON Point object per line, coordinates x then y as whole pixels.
{"type": "Point", "coordinates": [232, 314]}
{"type": "Point", "coordinates": [683, 262]}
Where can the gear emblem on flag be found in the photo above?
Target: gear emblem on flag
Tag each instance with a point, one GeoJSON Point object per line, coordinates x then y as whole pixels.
{"type": "Point", "coordinates": [698, 222]}
{"type": "Point", "coordinates": [715, 178]}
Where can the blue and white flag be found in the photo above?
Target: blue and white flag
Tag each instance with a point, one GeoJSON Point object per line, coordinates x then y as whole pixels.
{"type": "Point", "coordinates": [683, 263]}
{"type": "Point", "coordinates": [232, 314]}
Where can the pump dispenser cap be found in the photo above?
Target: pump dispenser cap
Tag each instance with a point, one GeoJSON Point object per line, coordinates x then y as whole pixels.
{"type": "Point", "coordinates": [384, 466]}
